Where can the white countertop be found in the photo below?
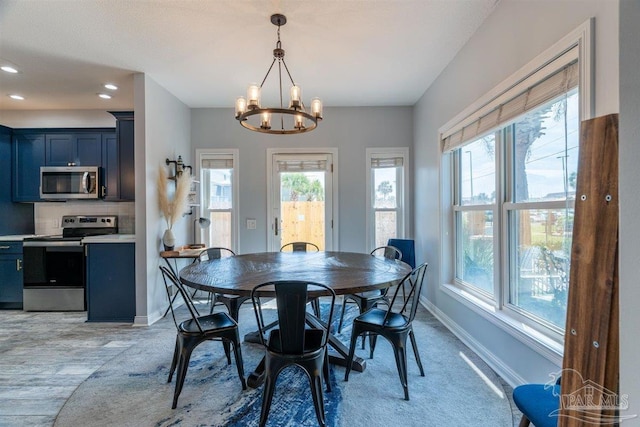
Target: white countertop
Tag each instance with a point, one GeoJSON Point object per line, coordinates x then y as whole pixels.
{"type": "Point", "coordinates": [16, 237]}
{"type": "Point", "coordinates": [111, 238]}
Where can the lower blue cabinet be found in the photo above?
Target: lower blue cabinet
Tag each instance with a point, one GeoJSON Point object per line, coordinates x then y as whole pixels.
{"type": "Point", "coordinates": [111, 285]}
{"type": "Point", "coordinates": [11, 275]}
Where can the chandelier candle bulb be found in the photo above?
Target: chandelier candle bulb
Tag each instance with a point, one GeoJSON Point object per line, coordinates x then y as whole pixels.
{"type": "Point", "coordinates": [298, 122]}
{"type": "Point", "coordinates": [241, 106]}
{"type": "Point", "coordinates": [296, 95]}
{"type": "Point", "coordinates": [253, 96]}
{"type": "Point", "coordinates": [266, 121]}
{"type": "Point", "coordinates": [316, 107]}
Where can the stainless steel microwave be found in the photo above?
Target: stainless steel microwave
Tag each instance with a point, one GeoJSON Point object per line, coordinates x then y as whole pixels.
{"type": "Point", "coordinates": [69, 182]}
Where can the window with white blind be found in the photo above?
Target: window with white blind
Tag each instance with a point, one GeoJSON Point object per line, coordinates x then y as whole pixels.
{"type": "Point", "coordinates": [218, 171]}
{"type": "Point", "coordinates": [387, 189]}
{"type": "Point", "coordinates": [511, 172]}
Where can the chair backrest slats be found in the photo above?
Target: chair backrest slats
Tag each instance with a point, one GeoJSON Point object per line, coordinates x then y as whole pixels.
{"type": "Point", "coordinates": [168, 275]}
{"type": "Point", "coordinates": [292, 304]}
{"type": "Point", "coordinates": [291, 300]}
{"type": "Point", "coordinates": [215, 253]}
{"type": "Point", "coordinates": [390, 252]}
{"type": "Point", "coordinates": [300, 247]}
{"type": "Point", "coordinates": [411, 285]}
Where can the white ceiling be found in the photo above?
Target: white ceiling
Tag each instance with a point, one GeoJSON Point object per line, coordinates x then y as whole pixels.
{"type": "Point", "coordinates": [206, 52]}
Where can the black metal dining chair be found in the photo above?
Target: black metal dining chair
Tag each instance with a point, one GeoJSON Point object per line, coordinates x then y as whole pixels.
{"type": "Point", "coordinates": [367, 300]}
{"type": "Point", "coordinates": [304, 247]}
{"type": "Point", "coordinates": [394, 325]}
{"type": "Point", "coordinates": [292, 342]}
{"type": "Point", "coordinates": [231, 302]}
{"type": "Point", "coordinates": [300, 247]}
{"type": "Point", "coordinates": [196, 330]}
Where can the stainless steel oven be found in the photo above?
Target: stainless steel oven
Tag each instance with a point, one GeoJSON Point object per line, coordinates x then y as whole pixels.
{"type": "Point", "coordinates": [54, 266]}
{"type": "Point", "coordinates": [69, 182]}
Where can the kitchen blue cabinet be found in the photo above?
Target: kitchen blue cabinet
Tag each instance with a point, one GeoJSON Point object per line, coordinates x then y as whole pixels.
{"type": "Point", "coordinates": [104, 147]}
{"type": "Point", "coordinates": [111, 284]}
{"type": "Point", "coordinates": [11, 275]}
{"type": "Point", "coordinates": [28, 156]}
{"type": "Point", "coordinates": [73, 149]}
{"type": "Point", "coordinates": [126, 154]}
{"type": "Point", "coordinates": [110, 190]}
{"type": "Point", "coordinates": [17, 218]}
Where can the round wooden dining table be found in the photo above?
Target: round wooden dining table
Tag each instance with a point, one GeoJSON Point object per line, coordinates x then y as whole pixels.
{"type": "Point", "coordinates": [344, 272]}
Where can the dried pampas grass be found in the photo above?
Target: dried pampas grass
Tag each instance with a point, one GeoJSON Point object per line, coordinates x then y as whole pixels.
{"type": "Point", "coordinates": [172, 210]}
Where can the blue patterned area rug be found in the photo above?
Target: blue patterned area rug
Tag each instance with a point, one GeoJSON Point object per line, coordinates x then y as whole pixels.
{"type": "Point", "coordinates": [132, 390]}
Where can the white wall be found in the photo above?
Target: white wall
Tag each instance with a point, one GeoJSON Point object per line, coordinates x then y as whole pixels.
{"type": "Point", "coordinates": [351, 130]}
{"type": "Point", "coordinates": [629, 204]}
{"type": "Point", "coordinates": [57, 118]}
{"type": "Point", "coordinates": [162, 130]}
{"type": "Point", "coordinates": [515, 33]}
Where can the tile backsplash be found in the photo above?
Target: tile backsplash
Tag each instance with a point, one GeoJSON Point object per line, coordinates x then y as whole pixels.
{"type": "Point", "coordinates": [48, 216]}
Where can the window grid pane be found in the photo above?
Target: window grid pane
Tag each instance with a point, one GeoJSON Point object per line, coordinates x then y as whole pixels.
{"type": "Point", "coordinates": [386, 226]}
{"type": "Point", "coordinates": [540, 271]}
{"type": "Point", "coordinates": [475, 249]}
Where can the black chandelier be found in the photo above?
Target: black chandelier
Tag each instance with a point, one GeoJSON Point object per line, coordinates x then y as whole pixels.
{"type": "Point", "coordinates": [291, 120]}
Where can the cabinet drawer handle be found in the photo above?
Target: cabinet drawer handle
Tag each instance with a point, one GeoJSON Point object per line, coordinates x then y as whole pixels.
{"type": "Point", "coordinates": [5, 247]}
{"type": "Point", "coordinates": [18, 264]}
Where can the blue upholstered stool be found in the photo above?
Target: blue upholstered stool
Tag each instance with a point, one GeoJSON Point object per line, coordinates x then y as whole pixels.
{"type": "Point", "coordinates": [537, 403]}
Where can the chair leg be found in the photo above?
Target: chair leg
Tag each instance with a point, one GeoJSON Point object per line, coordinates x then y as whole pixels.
{"type": "Point", "coordinates": [267, 396]}
{"type": "Point", "coordinates": [400, 353]}
{"type": "Point", "coordinates": [344, 304]}
{"type": "Point", "coordinates": [352, 350]}
{"type": "Point", "coordinates": [213, 302]}
{"type": "Point", "coordinates": [239, 364]}
{"type": "Point", "coordinates": [183, 365]}
{"type": "Point", "coordinates": [315, 304]}
{"type": "Point", "coordinates": [524, 421]}
{"type": "Point", "coordinates": [325, 370]}
{"type": "Point", "coordinates": [415, 351]}
{"type": "Point", "coordinates": [318, 399]}
{"type": "Point", "coordinates": [372, 344]}
{"type": "Point", "coordinates": [174, 361]}
{"type": "Point", "coordinates": [227, 350]}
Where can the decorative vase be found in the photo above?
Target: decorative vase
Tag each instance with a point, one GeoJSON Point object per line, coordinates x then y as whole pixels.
{"type": "Point", "coordinates": [168, 240]}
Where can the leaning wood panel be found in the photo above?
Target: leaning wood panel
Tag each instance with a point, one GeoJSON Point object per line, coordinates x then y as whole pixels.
{"type": "Point", "coordinates": [590, 365]}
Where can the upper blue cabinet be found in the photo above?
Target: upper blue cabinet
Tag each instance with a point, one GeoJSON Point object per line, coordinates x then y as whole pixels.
{"type": "Point", "coordinates": [73, 149]}
{"type": "Point", "coordinates": [111, 149]}
{"type": "Point", "coordinates": [28, 156]}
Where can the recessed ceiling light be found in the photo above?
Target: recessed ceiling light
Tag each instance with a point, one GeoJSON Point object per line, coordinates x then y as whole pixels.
{"type": "Point", "coordinates": [111, 86]}
{"type": "Point", "coordinates": [17, 97]}
{"type": "Point", "coordinates": [104, 95]}
{"type": "Point", "coordinates": [9, 69]}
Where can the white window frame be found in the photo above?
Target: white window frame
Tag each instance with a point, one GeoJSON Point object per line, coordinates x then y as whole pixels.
{"type": "Point", "coordinates": [212, 153]}
{"type": "Point", "coordinates": [533, 334]}
{"type": "Point", "coordinates": [402, 192]}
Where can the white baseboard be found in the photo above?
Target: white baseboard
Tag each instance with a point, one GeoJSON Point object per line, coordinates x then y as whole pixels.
{"type": "Point", "coordinates": [499, 367]}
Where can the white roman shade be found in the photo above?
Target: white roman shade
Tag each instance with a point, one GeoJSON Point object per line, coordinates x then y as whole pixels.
{"type": "Point", "coordinates": [217, 163]}
{"type": "Point", "coordinates": [386, 162]}
{"type": "Point", "coordinates": [557, 77]}
{"type": "Point", "coordinates": [310, 163]}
